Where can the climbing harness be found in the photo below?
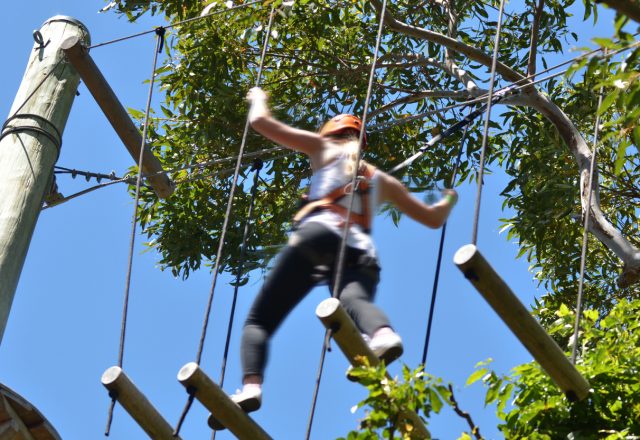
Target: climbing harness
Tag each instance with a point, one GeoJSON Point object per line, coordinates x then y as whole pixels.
{"type": "Point", "coordinates": [332, 200]}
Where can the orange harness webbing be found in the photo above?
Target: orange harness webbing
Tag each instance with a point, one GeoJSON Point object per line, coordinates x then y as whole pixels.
{"type": "Point", "coordinates": [329, 201]}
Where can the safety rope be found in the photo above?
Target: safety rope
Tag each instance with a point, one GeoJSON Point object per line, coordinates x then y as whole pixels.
{"type": "Point", "coordinates": [485, 135]}
{"type": "Point", "coordinates": [225, 224]}
{"type": "Point", "coordinates": [585, 233]}
{"type": "Point", "coordinates": [436, 278]}
{"type": "Point", "coordinates": [514, 87]}
{"type": "Point", "coordinates": [160, 32]}
{"type": "Point", "coordinates": [339, 268]}
{"type": "Point", "coordinates": [256, 167]}
{"type": "Point", "coordinates": [463, 123]}
{"type": "Point", "coordinates": [177, 24]}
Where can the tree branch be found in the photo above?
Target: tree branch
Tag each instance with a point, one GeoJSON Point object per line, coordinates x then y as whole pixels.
{"type": "Point", "coordinates": [451, 66]}
{"type": "Point", "coordinates": [452, 94]}
{"type": "Point", "coordinates": [475, 430]}
{"type": "Point", "coordinates": [600, 226]}
{"type": "Point", "coordinates": [604, 231]}
{"type": "Point", "coordinates": [629, 8]}
{"type": "Point", "coordinates": [533, 46]}
{"type": "Point", "coordinates": [457, 46]}
{"type": "Point", "coordinates": [452, 17]}
{"type": "Point", "coordinates": [448, 66]}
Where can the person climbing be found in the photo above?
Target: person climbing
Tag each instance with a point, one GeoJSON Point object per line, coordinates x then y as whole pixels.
{"type": "Point", "coordinates": [311, 252]}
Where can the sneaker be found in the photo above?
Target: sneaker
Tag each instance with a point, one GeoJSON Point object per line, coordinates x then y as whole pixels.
{"type": "Point", "coordinates": [387, 347]}
{"type": "Point", "coordinates": [249, 400]}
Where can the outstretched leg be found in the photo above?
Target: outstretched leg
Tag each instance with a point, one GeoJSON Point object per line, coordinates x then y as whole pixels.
{"type": "Point", "coordinates": [357, 295]}
{"type": "Point", "coordinates": [286, 285]}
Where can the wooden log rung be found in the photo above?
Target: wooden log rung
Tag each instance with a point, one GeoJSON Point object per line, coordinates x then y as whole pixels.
{"type": "Point", "coordinates": [225, 410]}
{"type": "Point", "coordinates": [520, 321]}
{"type": "Point", "coordinates": [354, 347]}
{"type": "Point", "coordinates": [137, 405]}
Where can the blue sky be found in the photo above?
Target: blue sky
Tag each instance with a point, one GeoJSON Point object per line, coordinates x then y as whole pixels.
{"type": "Point", "coordinates": [64, 326]}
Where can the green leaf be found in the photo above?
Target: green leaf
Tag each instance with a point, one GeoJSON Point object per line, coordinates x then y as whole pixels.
{"type": "Point", "coordinates": [434, 399]}
{"type": "Point", "coordinates": [135, 114]}
{"type": "Point", "coordinates": [608, 100]}
{"type": "Point", "coordinates": [605, 42]}
{"type": "Point", "coordinates": [636, 135]}
{"type": "Point", "coordinates": [476, 375]}
{"type": "Point", "coordinates": [620, 156]}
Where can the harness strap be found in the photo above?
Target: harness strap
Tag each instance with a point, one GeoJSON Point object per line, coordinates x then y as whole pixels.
{"type": "Point", "coordinates": [330, 201]}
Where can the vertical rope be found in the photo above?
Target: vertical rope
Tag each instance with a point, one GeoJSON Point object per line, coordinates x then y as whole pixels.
{"type": "Point", "coordinates": [485, 135]}
{"type": "Point", "coordinates": [234, 184]}
{"type": "Point", "coordinates": [225, 225]}
{"type": "Point", "coordinates": [125, 308]}
{"type": "Point", "coordinates": [256, 167]}
{"type": "Point", "coordinates": [345, 232]}
{"type": "Point", "coordinates": [314, 401]}
{"type": "Point", "coordinates": [436, 279]}
{"type": "Point", "coordinates": [585, 235]}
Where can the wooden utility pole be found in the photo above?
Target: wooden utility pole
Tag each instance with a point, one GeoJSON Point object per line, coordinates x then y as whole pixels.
{"type": "Point", "coordinates": [30, 145]}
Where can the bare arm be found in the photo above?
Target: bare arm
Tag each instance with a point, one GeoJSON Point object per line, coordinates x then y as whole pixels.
{"type": "Point", "coordinates": [433, 216]}
{"type": "Point", "coordinates": [261, 120]}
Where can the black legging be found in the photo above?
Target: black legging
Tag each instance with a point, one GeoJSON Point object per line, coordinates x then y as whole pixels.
{"type": "Point", "coordinates": [297, 270]}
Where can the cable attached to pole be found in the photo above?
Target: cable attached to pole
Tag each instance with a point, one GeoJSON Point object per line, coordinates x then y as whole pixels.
{"type": "Point", "coordinates": [160, 32]}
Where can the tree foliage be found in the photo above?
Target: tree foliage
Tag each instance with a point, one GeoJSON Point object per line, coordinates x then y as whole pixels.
{"type": "Point", "coordinates": [390, 398]}
{"type": "Point", "coordinates": [434, 53]}
{"type": "Point", "coordinates": [316, 65]}
{"type": "Point", "coordinates": [529, 405]}
{"type": "Point", "coordinates": [610, 349]}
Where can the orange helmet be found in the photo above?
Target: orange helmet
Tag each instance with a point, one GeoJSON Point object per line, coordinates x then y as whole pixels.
{"type": "Point", "coordinates": [343, 122]}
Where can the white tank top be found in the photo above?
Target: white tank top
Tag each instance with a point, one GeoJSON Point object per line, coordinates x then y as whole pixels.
{"type": "Point", "coordinates": [336, 174]}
